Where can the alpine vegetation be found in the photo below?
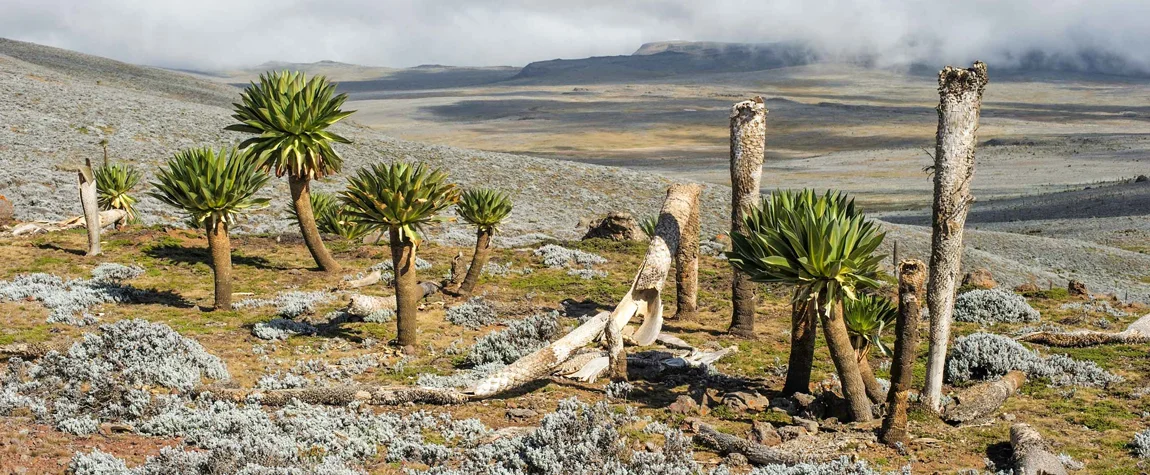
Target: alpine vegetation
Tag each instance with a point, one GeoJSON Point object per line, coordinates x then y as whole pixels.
{"type": "Point", "coordinates": [473, 313]}
{"type": "Point", "coordinates": [980, 356]}
{"type": "Point", "coordinates": [558, 257]}
{"type": "Point", "coordinates": [1141, 444]}
{"type": "Point", "coordinates": [577, 438]}
{"type": "Point", "coordinates": [464, 378]}
{"type": "Point", "coordinates": [281, 329]}
{"type": "Point", "coordinates": [70, 300]}
{"type": "Point", "coordinates": [113, 272]}
{"type": "Point", "coordinates": [521, 337]}
{"type": "Point", "coordinates": [841, 466]}
{"type": "Point", "coordinates": [991, 306]}
{"type": "Point", "coordinates": [290, 304]}
{"type": "Point", "coordinates": [1095, 306]}
{"type": "Point", "coordinates": [104, 376]}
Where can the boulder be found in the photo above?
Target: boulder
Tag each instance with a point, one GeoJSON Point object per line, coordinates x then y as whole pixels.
{"type": "Point", "coordinates": [744, 401]}
{"type": "Point", "coordinates": [981, 279]}
{"type": "Point", "coordinates": [683, 405]}
{"type": "Point", "coordinates": [764, 433]}
{"type": "Point", "coordinates": [789, 433]}
{"type": "Point", "coordinates": [1027, 287]}
{"type": "Point", "coordinates": [7, 212]}
{"type": "Point", "coordinates": [616, 226]}
{"type": "Point", "coordinates": [1142, 179]}
{"type": "Point", "coordinates": [1077, 289]}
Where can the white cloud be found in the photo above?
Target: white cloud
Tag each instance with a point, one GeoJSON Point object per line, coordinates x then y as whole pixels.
{"type": "Point", "coordinates": [212, 34]}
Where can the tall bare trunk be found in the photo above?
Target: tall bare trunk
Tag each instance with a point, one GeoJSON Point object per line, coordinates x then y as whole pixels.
{"type": "Point", "coordinates": [687, 267]}
{"type": "Point", "coordinates": [748, 147]}
{"type": "Point", "coordinates": [804, 325]}
{"type": "Point", "coordinates": [407, 290]}
{"type": "Point", "coordinates": [220, 247]}
{"type": "Point", "coordinates": [960, 100]}
{"type": "Point", "coordinates": [846, 361]}
{"type": "Point", "coordinates": [301, 199]}
{"type": "Point", "coordinates": [478, 260]}
{"type": "Point", "coordinates": [91, 208]}
{"type": "Point", "coordinates": [911, 274]}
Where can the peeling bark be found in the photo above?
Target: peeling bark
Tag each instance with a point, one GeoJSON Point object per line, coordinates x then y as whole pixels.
{"type": "Point", "coordinates": [983, 399]}
{"type": "Point", "coordinates": [338, 395]}
{"type": "Point", "coordinates": [220, 247]}
{"type": "Point", "coordinates": [911, 275]}
{"type": "Point", "coordinates": [643, 299]}
{"type": "Point", "coordinates": [960, 101]}
{"type": "Point", "coordinates": [748, 148]}
{"type": "Point", "coordinates": [1031, 454]}
{"type": "Point", "coordinates": [756, 453]}
{"type": "Point", "coordinates": [1137, 332]}
{"type": "Point", "coordinates": [846, 362]}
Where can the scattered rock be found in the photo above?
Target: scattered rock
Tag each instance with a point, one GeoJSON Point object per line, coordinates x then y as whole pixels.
{"type": "Point", "coordinates": [683, 405]}
{"type": "Point", "coordinates": [735, 459]}
{"type": "Point", "coordinates": [981, 278]}
{"type": "Point", "coordinates": [764, 433]}
{"type": "Point", "coordinates": [652, 447]}
{"type": "Point", "coordinates": [803, 400]}
{"type": "Point", "coordinates": [1077, 289]}
{"type": "Point", "coordinates": [616, 226]}
{"type": "Point", "coordinates": [1142, 179]}
{"type": "Point", "coordinates": [743, 401]}
{"type": "Point", "coordinates": [1027, 287]}
{"type": "Point", "coordinates": [7, 212]}
{"type": "Point", "coordinates": [789, 433]}
{"type": "Point", "coordinates": [521, 414]}
{"type": "Point", "coordinates": [809, 425]}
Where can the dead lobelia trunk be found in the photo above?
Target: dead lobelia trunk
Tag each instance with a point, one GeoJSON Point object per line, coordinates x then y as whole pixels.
{"type": "Point", "coordinates": [90, 206]}
{"type": "Point", "coordinates": [846, 362]}
{"type": "Point", "coordinates": [804, 325]}
{"type": "Point", "coordinates": [1137, 332]}
{"type": "Point", "coordinates": [960, 100]}
{"type": "Point", "coordinates": [982, 399]}
{"type": "Point", "coordinates": [220, 247]}
{"type": "Point", "coordinates": [301, 200]}
{"type": "Point", "coordinates": [748, 147]}
{"type": "Point", "coordinates": [407, 289]}
{"type": "Point", "coordinates": [458, 273]}
{"type": "Point", "coordinates": [1031, 454]}
{"type": "Point", "coordinates": [478, 260]}
{"type": "Point", "coordinates": [687, 267]}
{"type": "Point", "coordinates": [643, 299]}
{"type": "Point", "coordinates": [911, 276]}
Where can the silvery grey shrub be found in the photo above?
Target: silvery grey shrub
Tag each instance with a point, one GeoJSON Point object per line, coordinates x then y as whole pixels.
{"type": "Point", "coordinates": [557, 257]}
{"type": "Point", "coordinates": [463, 378]}
{"type": "Point", "coordinates": [987, 356]}
{"type": "Point", "coordinates": [990, 306]}
{"type": "Point", "coordinates": [281, 329]}
{"type": "Point", "coordinates": [1141, 444]}
{"type": "Point", "coordinates": [70, 300]}
{"type": "Point", "coordinates": [520, 338]}
{"type": "Point", "coordinates": [289, 304]}
{"type": "Point", "coordinates": [473, 313]}
{"type": "Point", "coordinates": [112, 272]}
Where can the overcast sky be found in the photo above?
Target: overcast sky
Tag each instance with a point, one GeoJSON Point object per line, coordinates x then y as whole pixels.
{"type": "Point", "coordinates": [217, 34]}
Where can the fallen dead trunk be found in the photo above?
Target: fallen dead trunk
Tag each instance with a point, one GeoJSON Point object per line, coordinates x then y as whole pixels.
{"type": "Point", "coordinates": [589, 366]}
{"type": "Point", "coordinates": [756, 453]}
{"type": "Point", "coordinates": [1031, 455]}
{"type": "Point", "coordinates": [643, 299]}
{"type": "Point", "coordinates": [983, 399]}
{"type": "Point", "coordinates": [337, 395]}
{"type": "Point", "coordinates": [370, 279]}
{"type": "Point", "coordinates": [107, 218]}
{"type": "Point", "coordinates": [364, 305]}
{"type": "Point", "coordinates": [27, 351]}
{"type": "Point", "coordinates": [1137, 332]}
